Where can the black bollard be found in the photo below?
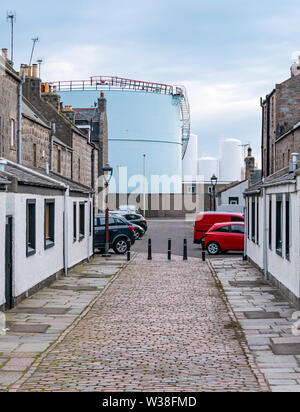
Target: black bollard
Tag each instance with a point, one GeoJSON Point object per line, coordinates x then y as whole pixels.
{"type": "Point", "coordinates": [149, 249]}
{"type": "Point", "coordinates": [185, 256]}
{"type": "Point", "coordinates": [169, 249]}
{"type": "Point", "coordinates": [203, 250]}
{"type": "Point", "coordinates": [129, 251]}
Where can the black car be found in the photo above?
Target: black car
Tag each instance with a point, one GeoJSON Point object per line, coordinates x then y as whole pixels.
{"type": "Point", "coordinates": [135, 218]}
{"type": "Point", "coordinates": [121, 233]}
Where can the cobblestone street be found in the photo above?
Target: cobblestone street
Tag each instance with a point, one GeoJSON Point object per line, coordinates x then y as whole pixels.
{"type": "Point", "coordinates": [160, 326]}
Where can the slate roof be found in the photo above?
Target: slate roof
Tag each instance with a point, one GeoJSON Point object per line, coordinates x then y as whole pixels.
{"type": "Point", "coordinates": [272, 181]}
{"type": "Point", "coordinates": [32, 115]}
{"type": "Point", "coordinates": [25, 177]}
{"type": "Point", "coordinates": [255, 177]}
{"type": "Point", "coordinates": [74, 186]}
{"type": "Point", "coordinates": [280, 179]}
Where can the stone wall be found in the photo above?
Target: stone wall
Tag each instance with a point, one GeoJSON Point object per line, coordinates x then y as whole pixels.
{"type": "Point", "coordinates": [36, 143]}
{"type": "Point", "coordinates": [82, 164]}
{"type": "Point", "coordinates": [65, 156]}
{"type": "Point", "coordinates": [285, 147]}
{"type": "Point", "coordinates": [281, 111]}
{"type": "Point", "coordinates": [8, 111]}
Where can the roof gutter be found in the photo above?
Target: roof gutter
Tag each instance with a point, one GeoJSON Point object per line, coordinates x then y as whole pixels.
{"type": "Point", "coordinates": [283, 182]}
{"type": "Point", "coordinates": [252, 192]}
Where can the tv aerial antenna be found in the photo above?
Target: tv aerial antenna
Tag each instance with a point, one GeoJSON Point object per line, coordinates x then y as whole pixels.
{"type": "Point", "coordinates": [11, 19]}
{"type": "Point", "coordinates": [34, 40]}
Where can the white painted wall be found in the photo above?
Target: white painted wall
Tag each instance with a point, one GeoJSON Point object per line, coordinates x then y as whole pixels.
{"type": "Point", "coordinates": [254, 250]}
{"type": "Point", "coordinates": [2, 247]}
{"type": "Point", "coordinates": [285, 271]}
{"type": "Point", "coordinates": [78, 250]}
{"type": "Point", "coordinates": [29, 271]}
{"type": "Point", "coordinates": [236, 191]}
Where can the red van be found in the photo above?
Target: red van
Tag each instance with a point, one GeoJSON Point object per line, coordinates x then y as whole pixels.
{"type": "Point", "coordinates": [206, 220]}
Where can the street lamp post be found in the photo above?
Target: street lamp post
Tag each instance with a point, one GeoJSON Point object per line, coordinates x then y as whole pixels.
{"type": "Point", "coordinates": [144, 185]}
{"type": "Point", "coordinates": [107, 173]}
{"type": "Point", "coordinates": [214, 181]}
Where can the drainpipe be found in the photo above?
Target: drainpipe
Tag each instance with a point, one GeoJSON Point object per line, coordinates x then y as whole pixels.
{"type": "Point", "coordinates": [20, 96]}
{"type": "Point", "coordinates": [265, 246]}
{"type": "Point", "coordinates": [51, 145]}
{"type": "Point", "coordinates": [89, 214]}
{"type": "Point", "coordinates": [66, 232]}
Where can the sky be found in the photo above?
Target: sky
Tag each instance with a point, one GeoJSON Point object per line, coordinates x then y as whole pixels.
{"type": "Point", "coordinates": [227, 53]}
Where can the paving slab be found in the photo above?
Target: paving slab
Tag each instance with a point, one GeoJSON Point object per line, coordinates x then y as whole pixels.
{"type": "Point", "coordinates": [267, 324]}
{"type": "Point", "coordinates": [286, 348]}
{"type": "Point", "coordinates": [45, 310]}
{"type": "Point", "coordinates": [262, 315]}
{"type": "Point", "coordinates": [27, 328]}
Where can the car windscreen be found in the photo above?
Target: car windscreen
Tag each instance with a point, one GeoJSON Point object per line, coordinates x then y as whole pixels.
{"type": "Point", "coordinates": [238, 229]}
{"type": "Point", "coordinates": [237, 219]}
{"type": "Point", "coordinates": [224, 229]}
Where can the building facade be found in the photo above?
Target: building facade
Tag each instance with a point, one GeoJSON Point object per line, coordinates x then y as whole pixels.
{"type": "Point", "coordinates": [48, 188]}
{"type": "Point", "coordinates": [280, 113]}
{"type": "Point", "coordinates": [273, 204]}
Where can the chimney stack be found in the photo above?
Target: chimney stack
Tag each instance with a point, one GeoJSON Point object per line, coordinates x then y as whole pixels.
{"type": "Point", "coordinates": [250, 165]}
{"type": "Point", "coordinates": [5, 53]}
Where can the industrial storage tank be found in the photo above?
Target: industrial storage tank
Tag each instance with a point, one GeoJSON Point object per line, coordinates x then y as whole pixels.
{"type": "Point", "coordinates": [190, 161]}
{"type": "Point", "coordinates": [207, 167]}
{"type": "Point", "coordinates": [148, 129]}
{"type": "Point", "coordinates": [230, 160]}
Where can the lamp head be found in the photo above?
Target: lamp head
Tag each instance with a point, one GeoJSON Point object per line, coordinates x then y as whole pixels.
{"type": "Point", "coordinates": [107, 172]}
{"type": "Point", "coordinates": [214, 180]}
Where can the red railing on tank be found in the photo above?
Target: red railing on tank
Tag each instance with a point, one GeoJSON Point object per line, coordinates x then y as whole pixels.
{"type": "Point", "coordinates": [108, 83]}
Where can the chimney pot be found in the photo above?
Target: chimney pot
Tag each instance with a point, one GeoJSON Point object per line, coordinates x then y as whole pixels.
{"type": "Point", "coordinates": [22, 69]}
{"type": "Point", "coordinates": [35, 71]}
{"type": "Point", "coordinates": [5, 53]}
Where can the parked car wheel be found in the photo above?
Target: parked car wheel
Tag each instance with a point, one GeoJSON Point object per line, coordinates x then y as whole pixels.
{"type": "Point", "coordinates": [120, 246]}
{"type": "Point", "coordinates": [213, 248]}
{"type": "Point", "coordinates": [137, 234]}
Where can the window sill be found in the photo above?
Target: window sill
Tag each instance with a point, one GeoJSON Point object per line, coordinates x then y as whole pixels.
{"type": "Point", "coordinates": [49, 244]}
{"type": "Point", "coordinates": [30, 252]}
{"type": "Point", "coordinates": [279, 252]}
{"type": "Point", "coordinates": [81, 237]}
